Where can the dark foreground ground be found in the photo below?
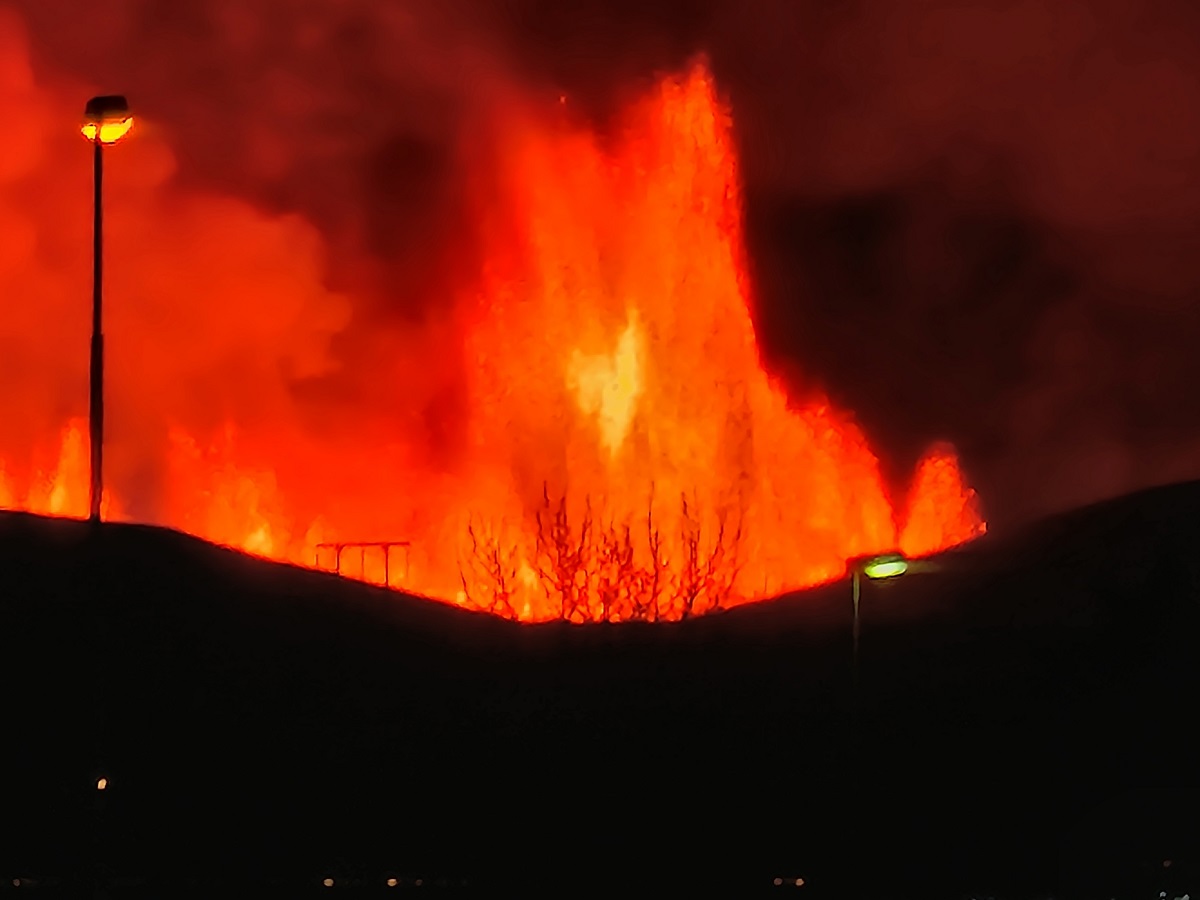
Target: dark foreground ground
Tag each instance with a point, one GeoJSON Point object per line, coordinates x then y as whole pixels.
{"type": "Point", "coordinates": [1026, 720]}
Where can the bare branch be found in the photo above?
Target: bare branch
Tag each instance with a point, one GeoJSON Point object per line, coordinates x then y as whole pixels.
{"type": "Point", "coordinates": [599, 569]}
{"type": "Point", "coordinates": [489, 574]}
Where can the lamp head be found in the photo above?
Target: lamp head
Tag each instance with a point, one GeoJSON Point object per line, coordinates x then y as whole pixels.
{"type": "Point", "coordinates": [106, 119]}
{"type": "Point", "coordinates": [885, 565]}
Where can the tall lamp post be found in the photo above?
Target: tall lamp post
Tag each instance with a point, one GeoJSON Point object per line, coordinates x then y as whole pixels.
{"type": "Point", "coordinates": [874, 568]}
{"type": "Point", "coordinates": [105, 121]}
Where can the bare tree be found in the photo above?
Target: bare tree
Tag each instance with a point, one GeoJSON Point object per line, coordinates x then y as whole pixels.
{"type": "Point", "coordinates": [613, 572]}
{"type": "Point", "coordinates": [597, 572]}
{"type": "Point", "coordinates": [650, 578]}
{"type": "Point", "coordinates": [489, 574]}
{"type": "Point", "coordinates": [707, 571]}
{"type": "Point", "coordinates": [563, 556]}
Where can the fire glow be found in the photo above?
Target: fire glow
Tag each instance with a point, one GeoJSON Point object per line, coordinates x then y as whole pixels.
{"type": "Point", "coordinates": [621, 451]}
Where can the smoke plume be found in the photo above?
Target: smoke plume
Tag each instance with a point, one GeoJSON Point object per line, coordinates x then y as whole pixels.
{"type": "Point", "coordinates": [971, 221]}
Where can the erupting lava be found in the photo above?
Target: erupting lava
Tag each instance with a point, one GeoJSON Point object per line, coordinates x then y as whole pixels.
{"type": "Point", "coordinates": [624, 454]}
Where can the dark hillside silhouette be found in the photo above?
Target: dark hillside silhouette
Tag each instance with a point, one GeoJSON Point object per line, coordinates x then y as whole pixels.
{"type": "Point", "coordinates": [1021, 709]}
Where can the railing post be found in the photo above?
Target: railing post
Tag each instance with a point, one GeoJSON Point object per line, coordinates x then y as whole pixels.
{"type": "Point", "coordinates": [363, 546]}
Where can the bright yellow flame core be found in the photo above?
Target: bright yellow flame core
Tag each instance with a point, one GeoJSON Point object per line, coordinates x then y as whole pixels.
{"type": "Point", "coordinates": [109, 130]}
{"type": "Point", "coordinates": [608, 385]}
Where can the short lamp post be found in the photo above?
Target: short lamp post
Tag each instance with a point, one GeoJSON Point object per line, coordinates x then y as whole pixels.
{"type": "Point", "coordinates": [879, 567]}
{"type": "Point", "coordinates": [105, 121]}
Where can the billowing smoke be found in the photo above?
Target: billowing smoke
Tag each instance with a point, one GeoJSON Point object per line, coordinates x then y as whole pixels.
{"type": "Point", "coordinates": [280, 235]}
{"type": "Point", "coordinates": [980, 220]}
{"type": "Point", "coordinates": [969, 221]}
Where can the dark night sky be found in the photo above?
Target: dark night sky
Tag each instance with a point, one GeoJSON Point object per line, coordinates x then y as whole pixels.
{"type": "Point", "coordinates": [968, 220]}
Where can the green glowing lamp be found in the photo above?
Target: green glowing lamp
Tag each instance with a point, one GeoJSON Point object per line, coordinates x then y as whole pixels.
{"type": "Point", "coordinates": [887, 565]}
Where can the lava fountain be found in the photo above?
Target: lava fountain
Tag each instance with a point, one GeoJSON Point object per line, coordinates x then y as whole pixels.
{"type": "Point", "coordinates": [624, 453]}
{"type": "Point", "coordinates": [620, 406]}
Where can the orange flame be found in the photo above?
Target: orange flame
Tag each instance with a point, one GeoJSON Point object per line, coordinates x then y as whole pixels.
{"type": "Point", "coordinates": [942, 510]}
{"type": "Point", "coordinates": [624, 452]}
{"type": "Point", "coordinates": [63, 489]}
{"type": "Point", "coordinates": [616, 349]}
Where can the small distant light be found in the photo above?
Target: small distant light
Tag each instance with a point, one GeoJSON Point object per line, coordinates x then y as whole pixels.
{"type": "Point", "coordinates": [391, 882]}
{"type": "Point", "coordinates": [778, 882]}
{"type": "Point", "coordinates": [1166, 864]}
{"type": "Point", "coordinates": [799, 882]}
{"type": "Point", "coordinates": [328, 882]}
{"type": "Point", "coordinates": [418, 882]}
{"type": "Point", "coordinates": [102, 784]}
{"type": "Point", "coordinates": [16, 882]}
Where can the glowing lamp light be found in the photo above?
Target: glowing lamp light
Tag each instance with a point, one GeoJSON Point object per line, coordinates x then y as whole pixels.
{"type": "Point", "coordinates": [102, 784]}
{"type": "Point", "coordinates": [106, 119]}
{"type": "Point", "coordinates": [889, 565]}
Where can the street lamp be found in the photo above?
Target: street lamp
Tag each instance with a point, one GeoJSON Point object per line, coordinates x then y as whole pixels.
{"type": "Point", "coordinates": [105, 121]}
{"type": "Point", "coordinates": [876, 568]}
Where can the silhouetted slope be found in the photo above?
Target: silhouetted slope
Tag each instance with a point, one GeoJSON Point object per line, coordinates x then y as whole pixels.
{"type": "Point", "coordinates": [257, 718]}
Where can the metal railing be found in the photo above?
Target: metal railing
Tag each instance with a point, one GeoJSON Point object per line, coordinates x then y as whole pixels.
{"type": "Point", "coordinates": [339, 548]}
